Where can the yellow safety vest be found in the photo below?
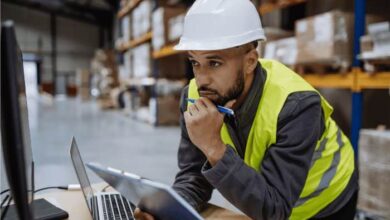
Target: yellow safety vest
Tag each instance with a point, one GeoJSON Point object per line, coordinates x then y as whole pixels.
{"type": "Point", "coordinates": [332, 163]}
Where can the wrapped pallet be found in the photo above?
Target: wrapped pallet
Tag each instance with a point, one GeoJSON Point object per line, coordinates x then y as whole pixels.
{"type": "Point", "coordinates": [142, 61]}
{"type": "Point", "coordinates": [164, 109]}
{"type": "Point", "coordinates": [284, 50]}
{"type": "Point", "coordinates": [126, 28]}
{"type": "Point", "coordinates": [272, 34]}
{"type": "Point", "coordinates": [374, 165]}
{"type": "Point", "coordinates": [325, 39]}
{"type": "Point", "coordinates": [141, 19]}
{"type": "Point", "coordinates": [162, 23]}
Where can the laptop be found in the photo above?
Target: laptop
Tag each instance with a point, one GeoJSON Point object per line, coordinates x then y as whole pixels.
{"type": "Point", "coordinates": [101, 205]}
{"type": "Point", "coordinates": [158, 199]}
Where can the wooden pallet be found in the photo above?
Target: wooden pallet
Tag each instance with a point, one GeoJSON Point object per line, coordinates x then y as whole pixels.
{"type": "Point", "coordinates": [321, 68]}
{"type": "Point", "coordinates": [381, 65]}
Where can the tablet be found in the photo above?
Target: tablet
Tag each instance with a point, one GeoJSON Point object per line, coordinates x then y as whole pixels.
{"type": "Point", "coordinates": [158, 199]}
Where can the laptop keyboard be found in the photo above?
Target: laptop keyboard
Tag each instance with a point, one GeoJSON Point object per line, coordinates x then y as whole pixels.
{"type": "Point", "coordinates": [116, 207]}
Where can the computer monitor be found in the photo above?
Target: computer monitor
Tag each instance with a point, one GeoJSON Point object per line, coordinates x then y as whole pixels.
{"type": "Point", "coordinates": [15, 136]}
{"type": "Point", "coordinates": [15, 133]}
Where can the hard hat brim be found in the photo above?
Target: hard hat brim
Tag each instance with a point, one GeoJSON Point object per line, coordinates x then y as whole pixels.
{"type": "Point", "coordinates": [220, 44]}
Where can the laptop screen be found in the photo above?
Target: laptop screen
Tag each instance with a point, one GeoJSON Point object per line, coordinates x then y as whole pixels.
{"type": "Point", "coordinates": [81, 173]}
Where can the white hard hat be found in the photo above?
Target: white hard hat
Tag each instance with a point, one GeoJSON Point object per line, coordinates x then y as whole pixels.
{"type": "Point", "coordinates": [220, 24]}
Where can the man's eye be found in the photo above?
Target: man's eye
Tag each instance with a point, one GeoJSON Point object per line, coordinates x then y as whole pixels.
{"type": "Point", "coordinates": [215, 64]}
{"type": "Point", "coordinates": [194, 63]}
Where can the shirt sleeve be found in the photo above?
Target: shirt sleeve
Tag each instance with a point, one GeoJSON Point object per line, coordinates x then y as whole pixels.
{"type": "Point", "coordinates": [272, 192]}
{"type": "Point", "coordinates": [189, 182]}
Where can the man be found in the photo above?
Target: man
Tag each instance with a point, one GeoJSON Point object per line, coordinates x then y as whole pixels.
{"type": "Point", "coordinates": [281, 155]}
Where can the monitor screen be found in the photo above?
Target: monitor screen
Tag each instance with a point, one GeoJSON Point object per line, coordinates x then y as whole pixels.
{"type": "Point", "coordinates": [15, 135]}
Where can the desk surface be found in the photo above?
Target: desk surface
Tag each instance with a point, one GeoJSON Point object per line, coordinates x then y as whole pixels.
{"type": "Point", "coordinates": [73, 202]}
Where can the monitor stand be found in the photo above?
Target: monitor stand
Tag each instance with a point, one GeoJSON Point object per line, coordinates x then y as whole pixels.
{"type": "Point", "coordinates": [42, 210]}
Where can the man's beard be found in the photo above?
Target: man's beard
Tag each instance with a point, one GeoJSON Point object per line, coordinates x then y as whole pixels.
{"type": "Point", "coordinates": [231, 94]}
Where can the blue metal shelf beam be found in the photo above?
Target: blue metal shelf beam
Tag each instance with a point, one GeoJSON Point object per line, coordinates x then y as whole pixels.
{"type": "Point", "coordinates": [357, 96]}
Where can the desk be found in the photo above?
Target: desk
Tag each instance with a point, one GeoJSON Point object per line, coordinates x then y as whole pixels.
{"type": "Point", "coordinates": [73, 202]}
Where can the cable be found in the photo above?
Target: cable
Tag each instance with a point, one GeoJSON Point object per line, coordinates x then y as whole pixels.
{"type": "Point", "coordinates": [6, 208]}
{"type": "Point", "coordinates": [105, 188]}
{"type": "Point", "coordinates": [4, 191]}
{"type": "Point", "coordinates": [9, 197]}
{"type": "Point", "coordinates": [3, 202]}
{"type": "Point", "coordinates": [52, 187]}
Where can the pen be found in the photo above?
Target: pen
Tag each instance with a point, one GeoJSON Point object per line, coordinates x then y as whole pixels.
{"type": "Point", "coordinates": [220, 108]}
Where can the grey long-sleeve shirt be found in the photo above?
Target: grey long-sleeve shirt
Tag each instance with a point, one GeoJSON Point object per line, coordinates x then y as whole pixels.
{"type": "Point", "coordinates": [271, 193]}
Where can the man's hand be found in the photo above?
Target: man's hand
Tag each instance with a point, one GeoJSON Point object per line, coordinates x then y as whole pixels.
{"type": "Point", "coordinates": [140, 215]}
{"type": "Point", "coordinates": [204, 123]}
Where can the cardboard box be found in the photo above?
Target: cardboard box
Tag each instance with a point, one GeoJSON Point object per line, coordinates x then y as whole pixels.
{"type": "Point", "coordinates": [161, 26]}
{"type": "Point", "coordinates": [84, 93]}
{"type": "Point", "coordinates": [142, 61]}
{"type": "Point", "coordinates": [83, 78]}
{"type": "Point", "coordinates": [168, 110]}
{"type": "Point", "coordinates": [172, 67]}
{"type": "Point", "coordinates": [325, 38]}
{"type": "Point", "coordinates": [374, 165]}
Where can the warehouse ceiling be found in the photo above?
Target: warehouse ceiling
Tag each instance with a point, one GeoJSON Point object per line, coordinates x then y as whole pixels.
{"type": "Point", "coordinates": [99, 12]}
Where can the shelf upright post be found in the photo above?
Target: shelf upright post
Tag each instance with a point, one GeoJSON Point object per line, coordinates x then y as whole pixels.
{"type": "Point", "coordinates": [357, 96]}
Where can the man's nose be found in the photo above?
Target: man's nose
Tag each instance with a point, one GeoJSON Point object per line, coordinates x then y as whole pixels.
{"type": "Point", "coordinates": [202, 78]}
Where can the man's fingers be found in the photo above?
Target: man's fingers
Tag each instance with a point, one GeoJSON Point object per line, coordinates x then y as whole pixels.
{"type": "Point", "coordinates": [139, 215]}
{"type": "Point", "coordinates": [206, 102]}
{"type": "Point", "coordinates": [187, 116]}
{"type": "Point", "coordinates": [200, 105]}
{"type": "Point", "coordinates": [230, 103]}
{"type": "Point", "coordinates": [193, 109]}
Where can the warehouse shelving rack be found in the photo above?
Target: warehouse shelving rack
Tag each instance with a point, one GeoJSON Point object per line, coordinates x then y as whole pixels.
{"type": "Point", "coordinates": [156, 55]}
{"type": "Point", "coordinates": [133, 43]}
{"type": "Point", "coordinates": [356, 80]}
{"type": "Point", "coordinates": [130, 5]}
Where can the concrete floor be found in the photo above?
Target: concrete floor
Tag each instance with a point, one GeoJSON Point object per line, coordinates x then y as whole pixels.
{"type": "Point", "coordinates": [106, 137]}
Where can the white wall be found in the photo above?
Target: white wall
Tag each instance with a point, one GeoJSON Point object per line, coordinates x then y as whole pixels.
{"type": "Point", "coordinates": [76, 41]}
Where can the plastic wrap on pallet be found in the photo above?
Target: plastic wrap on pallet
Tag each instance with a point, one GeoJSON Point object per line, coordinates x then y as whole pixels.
{"type": "Point", "coordinates": [141, 59]}
{"type": "Point", "coordinates": [125, 71]}
{"type": "Point", "coordinates": [284, 50]}
{"type": "Point", "coordinates": [126, 28]}
{"type": "Point", "coordinates": [141, 19]}
{"type": "Point", "coordinates": [166, 87]}
{"type": "Point", "coordinates": [158, 39]}
{"type": "Point", "coordinates": [272, 34]}
{"type": "Point", "coordinates": [380, 33]}
{"type": "Point", "coordinates": [374, 166]}
{"type": "Point", "coordinates": [176, 26]}
{"type": "Point", "coordinates": [325, 38]}
{"type": "Point", "coordinates": [162, 28]}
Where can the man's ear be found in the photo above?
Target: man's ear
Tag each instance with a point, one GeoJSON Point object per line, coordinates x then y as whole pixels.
{"type": "Point", "coordinates": [251, 60]}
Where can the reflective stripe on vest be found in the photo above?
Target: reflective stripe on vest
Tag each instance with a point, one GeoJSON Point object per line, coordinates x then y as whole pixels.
{"type": "Point", "coordinates": [332, 163]}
